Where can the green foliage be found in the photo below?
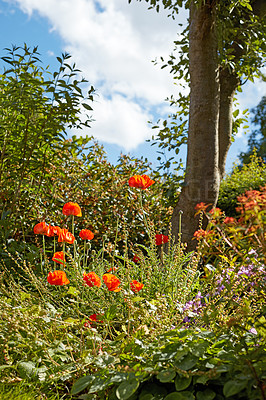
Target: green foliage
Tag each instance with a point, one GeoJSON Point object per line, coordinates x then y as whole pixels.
{"type": "Point", "coordinates": [241, 179]}
{"type": "Point", "coordinates": [257, 138]}
{"type": "Point", "coordinates": [184, 365]}
{"type": "Point", "coordinates": [46, 169]}
{"type": "Point", "coordinates": [37, 108]}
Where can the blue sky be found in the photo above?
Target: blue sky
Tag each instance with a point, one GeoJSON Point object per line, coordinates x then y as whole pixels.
{"type": "Point", "coordinates": [113, 43]}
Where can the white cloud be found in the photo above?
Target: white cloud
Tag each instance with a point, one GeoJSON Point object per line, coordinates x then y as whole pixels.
{"type": "Point", "coordinates": [114, 43]}
{"type": "Point", "coordinates": [120, 122]}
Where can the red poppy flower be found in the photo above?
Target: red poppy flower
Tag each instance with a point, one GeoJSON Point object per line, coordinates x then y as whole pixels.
{"type": "Point", "coordinates": [58, 278]}
{"type": "Point", "coordinates": [136, 286]}
{"type": "Point", "coordinates": [65, 236]}
{"type": "Point", "coordinates": [136, 259]}
{"type": "Point", "coordinates": [92, 279]}
{"type": "Point", "coordinates": [72, 209]}
{"type": "Point", "coordinates": [160, 239]}
{"type": "Point", "coordinates": [59, 257]}
{"type": "Point", "coordinates": [92, 318]}
{"type": "Point", "coordinates": [86, 234]}
{"type": "Point", "coordinates": [140, 181]}
{"type": "Point", "coordinates": [112, 282]}
{"type": "Point", "coordinates": [40, 228]}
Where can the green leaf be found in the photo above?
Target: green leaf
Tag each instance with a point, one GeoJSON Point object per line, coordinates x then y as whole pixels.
{"type": "Point", "coordinates": [151, 388]}
{"type": "Point", "coordinates": [81, 384]}
{"type": "Point", "coordinates": [99, 383]}
{"type": "Point", "coordinates": [181, 383]}
{"type": "Point", "coordinates": [233, 387]}
{"type": "Point", "coordinates": [166, 375]}
{"type": "Point", "coordinates": [208, 394]}
{"type": "Point", "coordinates": [147, 396]}
{"type": "Point", "coordinates": [27, 369]}
{"type": "Point", "coordinates": [87, 106]}
{"type": "Point", "coordinates": [186, 395]}
{"type": "Point", "coordinates": [187, 362]}
{"type": "Point", "coordinates": [126, 389]}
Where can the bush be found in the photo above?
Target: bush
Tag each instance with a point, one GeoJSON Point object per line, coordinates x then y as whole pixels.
{"type": "Point", "coordinates": [250, 176]}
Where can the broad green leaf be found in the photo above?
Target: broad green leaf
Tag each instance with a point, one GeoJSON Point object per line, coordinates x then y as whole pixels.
{"type": "Point", "coordinates": [187, 362]}
{"type": "Point", "coordinates": [207, 394]}
{"type": "Point", "coordinates": [166, 375]}
{"type": "Point", "coordinates": [151, 388]}
{"type": "Point", "coordinates": [99, 383]}
{"type": "Point", "coordinates": [181, 383]}
{"type": "Point", "coordinates": [81, 384]}
{"type": "Point", "coordinates": [233, 387]}
{"type": "Point", "coordinates": [180, 396]}
{"type": "Point", "coordinates": [126, 389]}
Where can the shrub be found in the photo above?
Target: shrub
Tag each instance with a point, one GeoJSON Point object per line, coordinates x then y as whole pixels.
{"type": "Point", "coordinates": [250, 176]}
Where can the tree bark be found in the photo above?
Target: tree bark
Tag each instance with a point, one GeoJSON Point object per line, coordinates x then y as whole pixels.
{"type": "Point", "coordinates": [202, 179]}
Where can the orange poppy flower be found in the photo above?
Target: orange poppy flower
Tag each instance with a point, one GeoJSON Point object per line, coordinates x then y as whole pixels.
{"type": "Point", "coordinates": [92, 279]}
{"type": "Point", "coordinates": [136, 286]}
{"type": "Point", "coordinates": [65, 236]}
{"type": "Point", "coordinates": [160, 239]}
{"type": "Point", "coordinates": [52, 230]}
{"type": "Point", "coordinates": [58, 278]}
{"type": "Point", "coordinates": [40, 228]}
{"type": "Point", "coordinates": [72, 209]}
{"type": "Point", "coordinates": [112, 282]}
{"type": "Point", "coordinates": [59, 257]}
{"type": "Point", "coordinates": [86, 234]}
{"type": "Point", "coordinates": [140, 181]}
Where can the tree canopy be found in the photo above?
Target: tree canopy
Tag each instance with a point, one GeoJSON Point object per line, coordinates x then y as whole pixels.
{"type": "Point", "coordinates": [221, 48]}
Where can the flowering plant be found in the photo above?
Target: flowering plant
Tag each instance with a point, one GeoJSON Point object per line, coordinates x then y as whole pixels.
{"type": "Point", "coordinates": [140, 181]}
{"type": "Point", "coordinates": [58, 278]}
{"type": "Point", "coordinates": [72, 209]}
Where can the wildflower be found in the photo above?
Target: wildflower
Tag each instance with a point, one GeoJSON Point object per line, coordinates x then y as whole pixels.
{"type": "Point", "coordinates": [136, 259]}
{"type": "Point", "coordinates": [40, 228]}
{"type": "Point", "coordinates": [216, 211]}
{"type": "Point", "coordinates": [92, 279]}
{"type": "Point", "coordinates": [92, 318]}
{"type": "Point", "coordinates": [86, 234]}
{"type": "Point", "coordinates": [58, 278]}
{"type": "Point", "coordinates": [59, 257]}
{"type": "Point", "coordinates": [72, 209]}
{"type": "Point", "coordinates": [229, 220]}
{"type": "Point", "coordinates": [112, 282]}
{"type": "Point", "coordinates": [140, 181]}
{"type": "Point", "coordinates": [160, 239]}
{"type": "Point", "coordinates": [199, 234]}
{"type": "Point", "coordinates": [136, 286]}
{"type": "Point", "coordinates": [65, 236]}
{"type": "Point", "coordinates": [201, 207]}
{"type": "Point", "coordinates": [52, 230]}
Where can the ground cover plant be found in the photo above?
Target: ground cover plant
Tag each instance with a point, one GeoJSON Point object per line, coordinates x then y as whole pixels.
{"type": "Point", "coordinates": [142, 322]}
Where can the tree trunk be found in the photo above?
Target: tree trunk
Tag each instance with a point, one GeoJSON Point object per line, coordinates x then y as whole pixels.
{"type": "Point", "coordinates": [228, 84]}
{"type": "Point", "coordinates": [202, 178]}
